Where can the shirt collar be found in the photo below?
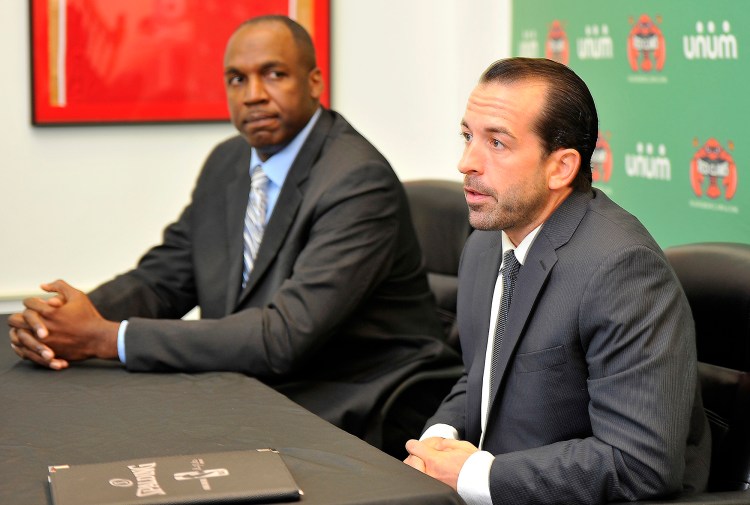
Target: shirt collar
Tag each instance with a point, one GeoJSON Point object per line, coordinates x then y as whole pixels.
{"type": "Point", "coordinates": [523, 248]}
{"type": "Point", "coordinates": [277, 166]}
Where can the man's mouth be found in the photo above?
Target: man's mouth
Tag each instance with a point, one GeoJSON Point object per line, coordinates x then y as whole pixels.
{"type": "Point", "coordinates": [474, 195]}
{"type": "Point", "coordinates": [259, 119]}
{"type": "Point", "coordinates": [472, 191]}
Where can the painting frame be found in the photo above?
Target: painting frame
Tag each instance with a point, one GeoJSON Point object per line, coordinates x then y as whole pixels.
{"type": "Point", "coordinates": [97, 62]}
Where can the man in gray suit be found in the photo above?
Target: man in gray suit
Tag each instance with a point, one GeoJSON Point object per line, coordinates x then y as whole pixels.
{"type": "Point", "coordinates": [584, 388]}
{"type": "Point", "coordinates": [335, 311]}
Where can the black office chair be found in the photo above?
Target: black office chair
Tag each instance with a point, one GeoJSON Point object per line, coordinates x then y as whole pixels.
{"type": "Point", "coordinates": [716, 280]}
{"type": "Point", "coordinates": [441, 219]}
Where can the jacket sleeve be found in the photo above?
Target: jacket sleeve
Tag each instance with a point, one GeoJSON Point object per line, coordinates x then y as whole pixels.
{"type": "Point", "coordinates": [352, 230]}
{"type": "Point", "coordinates": [161, 286]}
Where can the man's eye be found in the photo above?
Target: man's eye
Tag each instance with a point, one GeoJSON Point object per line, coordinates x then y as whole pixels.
{"type": "Point", "coordinates": [275, 74]}
{"type": "Point", "coordinates": [233, 80]}
{"type": "Point", "coordinates": [467, 136]}
{"type": "Point", "coordinates": [496, 144]}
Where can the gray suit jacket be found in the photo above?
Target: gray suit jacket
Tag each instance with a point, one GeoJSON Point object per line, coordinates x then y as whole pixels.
{"type": "Point", "coordinates": [336, 311]}
{"type": "Point", "coordinates": [598, 400]}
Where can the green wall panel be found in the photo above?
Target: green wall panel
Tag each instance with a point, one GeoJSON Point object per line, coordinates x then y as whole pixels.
{"type": "Point", "coordinates": [670, 79]}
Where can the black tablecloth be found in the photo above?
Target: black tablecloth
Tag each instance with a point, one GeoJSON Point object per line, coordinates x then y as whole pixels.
{"type": "Point", "coordinates": [96, 412]}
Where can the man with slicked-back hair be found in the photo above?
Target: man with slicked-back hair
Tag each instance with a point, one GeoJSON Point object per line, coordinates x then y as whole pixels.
{"type": "Point", "coordinates": [580, 383]}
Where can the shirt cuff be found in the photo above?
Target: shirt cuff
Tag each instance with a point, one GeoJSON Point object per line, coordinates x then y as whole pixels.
{"type": "Point", "coordinates": [121, 340]}
{"type": "Point", "coordinates": [440, 430]}
{"type": "Point", "coordinates": [474, 479]}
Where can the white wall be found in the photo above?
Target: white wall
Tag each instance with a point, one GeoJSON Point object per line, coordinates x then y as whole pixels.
{"type": "Point", "coordinates": [83, 203]}
{"type": "Point", "coordinates": [404, 69]}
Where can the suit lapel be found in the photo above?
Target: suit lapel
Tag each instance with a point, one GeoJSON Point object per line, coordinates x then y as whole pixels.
{"type": "Point", "coordinates": [237, 194]}
{"type": "Point", "coordinates": [488, 265]}
{"type": "Point", "coordinates": [532, 277]}
{"type": "Point", "coordinates": [529, 284]}
{"type": "Point", "coordinates": [288, 203]}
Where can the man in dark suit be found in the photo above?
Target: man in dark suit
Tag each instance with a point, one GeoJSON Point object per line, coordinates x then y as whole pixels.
{"type": "Point", "coordinates": [334, 310]}
{"type": "Point", "coordinates": [580, 381]}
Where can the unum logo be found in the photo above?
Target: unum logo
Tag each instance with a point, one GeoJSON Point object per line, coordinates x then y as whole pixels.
{"type": "Point", "coordinates": [596, 45]}
{"type": "Point", "coordinates": [707, 45]}
{"type": "Point", "coordinates": [649, 165]}
{"type": "Point", "coordinates": [529, 45]}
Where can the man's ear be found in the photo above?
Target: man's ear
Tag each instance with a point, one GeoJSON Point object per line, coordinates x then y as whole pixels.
{"type": "Point", "coordinates": [315, 81]}
{"type": "Point", "coordinates": [565, 164]}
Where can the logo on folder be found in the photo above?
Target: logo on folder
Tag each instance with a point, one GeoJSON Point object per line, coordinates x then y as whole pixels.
{"type": "Point", "coordinates": [148, 485]}
{"type": "Point", "coordinates": [202, 476]}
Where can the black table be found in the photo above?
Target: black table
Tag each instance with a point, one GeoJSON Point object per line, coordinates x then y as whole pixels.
{"type": "Point", "coordinates": [96, 412]}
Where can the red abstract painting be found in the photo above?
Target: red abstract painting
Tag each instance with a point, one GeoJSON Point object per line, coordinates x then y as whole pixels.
{"type": "Point", "coordinates": [125, 61]}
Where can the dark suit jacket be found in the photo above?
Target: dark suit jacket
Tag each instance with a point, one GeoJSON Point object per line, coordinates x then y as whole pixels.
{"type": "Point", "coordinates": [598, 400]}
{"type": "Point", "coordinates": [337, 309]}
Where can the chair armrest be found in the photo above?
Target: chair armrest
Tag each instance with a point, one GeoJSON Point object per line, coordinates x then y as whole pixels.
{"type": "Point", "coordinates": [724, 498]}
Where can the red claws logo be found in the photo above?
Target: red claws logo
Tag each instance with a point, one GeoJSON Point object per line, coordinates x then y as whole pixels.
{"type": "Point", "coordinates": [601, 160]}
{"type": "Point", "coordinates": [713, 162]}
{"type": "Point", "coordinates": [557, 47]}
{"type": "Point", "coordinates": [646, 42]}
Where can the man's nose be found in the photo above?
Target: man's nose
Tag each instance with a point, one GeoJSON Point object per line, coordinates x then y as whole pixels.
{"type": "Point", "coordinates": [255, 91]}
{"type": "Point", "coordinates": [471, 161]}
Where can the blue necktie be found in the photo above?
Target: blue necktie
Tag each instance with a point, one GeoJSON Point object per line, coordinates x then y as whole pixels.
{"type": "Point", "coordinates": [255, 220]}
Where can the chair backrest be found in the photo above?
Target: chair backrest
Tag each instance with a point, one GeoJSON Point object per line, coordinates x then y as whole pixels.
{"type": "Point", "coordinates": [716, 280]}
{"type": "Point", "coordinates": [726, 400]}
{"type": "Point", "coordinates": [441, 219]}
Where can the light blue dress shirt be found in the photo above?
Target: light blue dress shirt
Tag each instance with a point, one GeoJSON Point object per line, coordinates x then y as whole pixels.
{"type": "Point", "coordinates": [276, 168]}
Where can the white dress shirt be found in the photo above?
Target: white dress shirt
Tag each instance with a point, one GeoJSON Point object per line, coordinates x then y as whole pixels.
{"type": "Point", "coordinates": [474, 477]}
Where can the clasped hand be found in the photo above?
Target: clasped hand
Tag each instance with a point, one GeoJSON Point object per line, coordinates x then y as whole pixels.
{"type": "Point", "coordinates": [440, 458]}
{"type": "Point", "coordinates": [66, 327]}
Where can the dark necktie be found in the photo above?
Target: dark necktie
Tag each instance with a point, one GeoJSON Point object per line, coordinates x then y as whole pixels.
{"type": "Point", "coordinates": [255, 220]}
{"type": "Point", "coordinates": [509, 273]}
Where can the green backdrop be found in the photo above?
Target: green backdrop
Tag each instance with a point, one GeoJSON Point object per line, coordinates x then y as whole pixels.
{"type": "Point", "coordinates": [670, 85]}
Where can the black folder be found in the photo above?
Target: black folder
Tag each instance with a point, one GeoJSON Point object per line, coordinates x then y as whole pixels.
{"type": "Point", "coordinates": [254, 476]}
